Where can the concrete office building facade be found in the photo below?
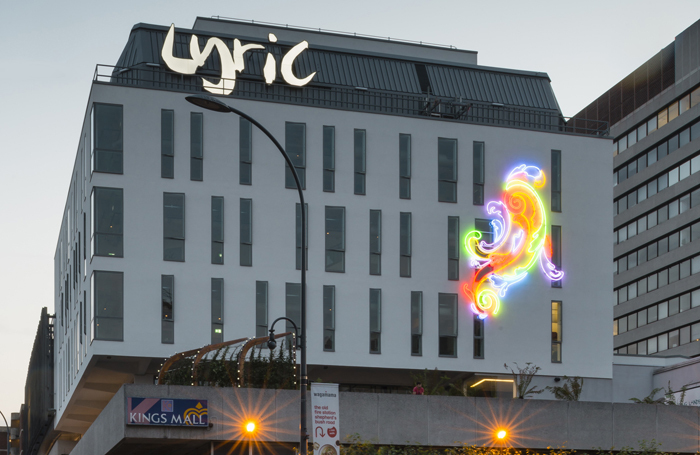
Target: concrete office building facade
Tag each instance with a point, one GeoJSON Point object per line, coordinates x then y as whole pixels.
{"type": "Point", "coordinates": [181, 228]}
{"type": "Point", "coordinates": [654, 116]}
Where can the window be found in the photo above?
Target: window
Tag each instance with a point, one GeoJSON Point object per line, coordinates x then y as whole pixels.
{"type": "Point", "coordinates": [375, 321]}
{"type": "Point", "coordinates": [107, 138]}
{"type": "Point", "coordinates": [298, 234]}
{"type": "Point", "coordinates": [453, 248]}
{"type": "Point", "coordinates": [447, 170]}
{"type": "Point", "coordinates": [245, 152]}
{"type": "Point", "coordinates": [416, 323]}
{"type": "Point", "coordinates": [246, 232]}
{"type": "Point", "coordinates": [405, 245]}
{"type": "Point", "coordinates": [478, 337]}
{"type": "Point", "coordinates": [447, 321]}
{"type": "Point", "coordinates": [479, 172]}
{"type": "Point", "coordinates": [196, 146]}
{"type": "Point", "coordinates": [295, 146]}
{"type": "Point", "coordinates": [360, 161]}
{"type": "Point", "coordinates": [167, 144]}
{"type": "Point", "coordinates": [217, 230]}
{"type": "Point", "coordinates": [107, 296]}
{"type": "Point", "coordinates": [293, 309]}
{"type": "Point", "coordinates": [217, 310]}
{"type": "Point", "coordinates": [329, 159]}
{"type": "Point", "coordinates": [484, 226]}
{"type": "Point", "coordinates": [556, 252]}
{"type": "Point", "coordinates": [173, 227]}
{"type": "Point", "coordinates": [335, 239]}
{"type": "Point", "coordinates": [375, 242]}
{"type": "Point", "coordinates": [261, 309]}
{"type": "Point", "coordinates": [556, 181]}
{"type": "Point", "coordinates": [329, 318]}
{"type": "Point", "coordinates": [167, 298]}
{"type": "Point", "coordinates": [405, 166]}
{"type": "Point", "coordinates": [107, 222]}
{"type": "Point", "coordinates": [556, 332]}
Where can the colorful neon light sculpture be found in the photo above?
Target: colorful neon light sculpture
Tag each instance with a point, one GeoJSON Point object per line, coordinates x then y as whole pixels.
{"type": "Point", "coordinates": [519, 242]}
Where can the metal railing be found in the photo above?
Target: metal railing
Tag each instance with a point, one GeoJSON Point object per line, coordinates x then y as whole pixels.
{"type": "Point", "coordinates": [358, 99]}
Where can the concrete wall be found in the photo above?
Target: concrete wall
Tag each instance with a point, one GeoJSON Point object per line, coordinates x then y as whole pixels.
{"type": "Point", "coordinates": [408, 419]}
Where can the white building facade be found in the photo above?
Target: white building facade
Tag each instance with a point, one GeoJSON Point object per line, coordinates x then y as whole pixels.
{"type": "Point", "coordinates": [180, 228]}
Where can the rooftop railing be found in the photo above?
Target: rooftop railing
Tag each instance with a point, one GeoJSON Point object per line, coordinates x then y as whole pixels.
{"type": "Point", "coordinates": [359, 99]}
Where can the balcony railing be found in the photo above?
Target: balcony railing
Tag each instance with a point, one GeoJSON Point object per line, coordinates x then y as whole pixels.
{"type": "Point", "coordinates": [359, 99]}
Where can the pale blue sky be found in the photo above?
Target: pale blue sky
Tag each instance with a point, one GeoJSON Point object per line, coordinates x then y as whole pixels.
{"type": "Point", "coordinates": [51, 49]}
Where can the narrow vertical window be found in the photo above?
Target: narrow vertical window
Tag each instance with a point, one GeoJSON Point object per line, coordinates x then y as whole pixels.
{"type": "Point", "coordinates": [217, 230]}
{"type": "Point", "coordinates": [556, 252]}
{"type": "Point", "coordinates": [196, 146]}
{"type": "Point", "coordinates": [167, 144]}
{"type": "Point", "coordinates": [405, 245]}
{"type": "Point", "coordinates": [298, 234]}
{"type": "Point", "coordinates": [556, 332]}
{"type": "Point", "coordinates": [217, 310]}
{"type": "Point", "coordinates": [173, 227]}
{"type": "Point", "coordinates": [107, 222]}
{"type": "Point", "coordinates": [335, 239]}
{"type": "Point", "coordinates": [405, 166]}
{"type": "Point", "coordinates": [107, 140]}
{"type": "Point", "coordinates": [246, 232]}
{"type": "Point", "coordinates": [447, 321]}
{"type": "Point", "coordinates": [295, 146]}
{"type": "Point", "coordinates": [360, 140]}
{"type": "Point", "coordinates": [416, 323]}
{"type": "Point", "coordinates": [375, 321]}
{"type": "Point", "coordinates": [329, 318]}
{"type": "Point", "coordinates": [329, 159]}
{"type": "Point", "coordinates": [556, 181]}
{"type": "Point", "coordinates": [453, 248]}
{"type": "Point", "coordinates": [107, 297]}
{"type": "Point", "coordinates": [261, 309]}
{"type": "Point", "coordinates": [167, 299]}
{"type": "Point", "coordinates": [245, 152]}
{"type": "Point", "coordinates": [375, 242]}
{"type": "Point", "coordinates": [479, 173]}
{"type": "Point", "coordinates": [447, 170]}
{"type": "Point", "coordinates": [478, 337]}
{"type": "Point", "coordinates": [293, 309]}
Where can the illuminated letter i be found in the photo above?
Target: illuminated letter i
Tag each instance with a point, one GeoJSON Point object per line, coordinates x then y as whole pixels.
{"type": "Point", "coordinates": [270, 69]}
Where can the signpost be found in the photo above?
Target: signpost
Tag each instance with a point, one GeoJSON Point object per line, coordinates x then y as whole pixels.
{"type": "Point", "coordinates": [326, 413]}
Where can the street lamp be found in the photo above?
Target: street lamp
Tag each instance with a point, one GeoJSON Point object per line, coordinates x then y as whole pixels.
{"type": "Point", "coordinates": [250, 429]}
{"type": "Point", "coordinates": [213, 104]}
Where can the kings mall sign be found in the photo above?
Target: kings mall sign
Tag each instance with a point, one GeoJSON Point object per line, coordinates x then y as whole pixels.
{"type": "Point", "coordinates": [172, 412]}
{"type": "Point", "coordinates": [232, 61]}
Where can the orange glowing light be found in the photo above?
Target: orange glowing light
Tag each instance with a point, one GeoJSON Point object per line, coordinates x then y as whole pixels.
{"type": "Point", "coordinates": [501, 434]}
{"type": "Point", "coordinates": [250, 427]}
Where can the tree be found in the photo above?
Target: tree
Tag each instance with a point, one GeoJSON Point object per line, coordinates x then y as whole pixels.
{"type": "Point", "coordinates": [523, 378]}
{"type": "Point", "coordinates": [570, 391]}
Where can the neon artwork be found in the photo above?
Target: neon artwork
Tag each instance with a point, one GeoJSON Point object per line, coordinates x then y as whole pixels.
{"type": "Point", "coordinates": [520, 241]}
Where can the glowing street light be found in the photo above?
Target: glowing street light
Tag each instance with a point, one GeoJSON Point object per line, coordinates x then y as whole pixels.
{"type": "Point", "coordinates": [501, 434]}
{"type": "Point", "coordinates": [250, 427]}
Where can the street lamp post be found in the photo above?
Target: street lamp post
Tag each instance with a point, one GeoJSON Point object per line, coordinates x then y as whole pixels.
{"type": "Point", "coordinates": [7, 428]}
{"type": "Point", "coordinates": [213, 104]}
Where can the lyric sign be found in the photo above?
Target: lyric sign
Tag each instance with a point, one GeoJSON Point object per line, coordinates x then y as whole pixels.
{"type": "Point", "coordinates": [167, 412]}
{"type": "Point", "coordinates": [326, 427]}
{"type": "Point", "coordinates": [232, 61]}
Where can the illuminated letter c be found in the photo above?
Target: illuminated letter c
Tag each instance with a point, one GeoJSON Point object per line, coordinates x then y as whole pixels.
{"type": "Point", "coordinates": [288, 60]}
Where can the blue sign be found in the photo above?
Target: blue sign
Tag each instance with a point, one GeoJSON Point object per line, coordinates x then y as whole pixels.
{"type": "Point", "coordinates": [167, 412]}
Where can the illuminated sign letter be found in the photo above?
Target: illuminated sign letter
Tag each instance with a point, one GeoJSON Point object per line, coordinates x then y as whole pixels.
{"type": "Point", "coordinates": [519, 242]}
{"type": "Point", "coordinates": [232, 62]}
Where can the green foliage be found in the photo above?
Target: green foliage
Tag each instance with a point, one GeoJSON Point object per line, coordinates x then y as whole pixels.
{"type": "Point", "coordinates": [356, 446]}
{"type": "Point", "coordinates": [220, 369]}
{"type": "Point", "coordinates": [570, 391]}
{"type": "Point", "coordinates": [523, 378]}
{"type": "Point", "coordinates": [668, 398]}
